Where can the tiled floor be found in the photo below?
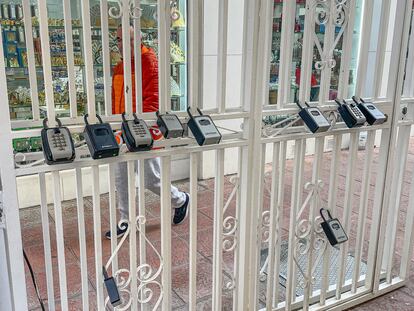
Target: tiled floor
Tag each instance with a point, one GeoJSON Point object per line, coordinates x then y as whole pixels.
{"type": "Point", "coordinates": [402, 299]}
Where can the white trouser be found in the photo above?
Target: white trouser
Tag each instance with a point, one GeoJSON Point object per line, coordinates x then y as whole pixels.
{"type": "Point", "coordinates": [152, 179]}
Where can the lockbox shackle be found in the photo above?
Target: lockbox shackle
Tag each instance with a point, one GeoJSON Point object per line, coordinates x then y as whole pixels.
{"type": "Point", "coordinates": [85, 118]}
{"type": "Point", "coordinates": [190, 114]}
{"type": "Point", "coordinates": [133, 114]}
{"type": "Point", "coordinates": [327, 211]}
{"type": "Point", "coordinates": [46, 119]}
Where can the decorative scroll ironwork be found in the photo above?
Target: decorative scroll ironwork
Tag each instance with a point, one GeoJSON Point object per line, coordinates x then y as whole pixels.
{"type": "Point", "coordinates": [305, 230]}
{"type": "Point", "coordinates": [146, 275]}
{"type": "Point", "coordinates": [266, 214]}
{"type": "Point", "coordinates": [135, 12]}
{"type": "Point", "coordinates": [230, 230]}
{"type": "Point", "coordinates": [116, 11]}
{"type": "Point", "coordinates": [266, 227]}
{"type": "Point", "coordinates": [270, 129]}
{"type": "Point", "coordinates": [335, 12]}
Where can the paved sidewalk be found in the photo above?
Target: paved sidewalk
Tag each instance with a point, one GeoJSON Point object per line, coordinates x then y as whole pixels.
{"type": "Point", "coordinates": [402, 299]}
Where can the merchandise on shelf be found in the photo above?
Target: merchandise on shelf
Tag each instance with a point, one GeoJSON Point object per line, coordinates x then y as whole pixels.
{"type": "Point", "coordinates": [175, 88]}
{"type": "Point", "coordinates": [177, 54]}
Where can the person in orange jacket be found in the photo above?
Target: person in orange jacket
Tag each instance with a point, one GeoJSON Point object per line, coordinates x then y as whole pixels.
{"type": "Point", "coordinates": [179, 199]}
{"type": "Point", "coordinates": [149, 81]}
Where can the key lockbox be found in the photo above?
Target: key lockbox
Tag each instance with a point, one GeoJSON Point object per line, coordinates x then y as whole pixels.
{"type": "Point", "coordinates": [332, 228]}
{"type": "Point", "coordinates": [203, 128]}
{"type": "Point", "coordinates": [136, 134]}
{"type": "Point", "coordinates": [57, 144]}
{"type": "Point", "coordinates": [100, 139]}
{"type": "Point", "coordinates": [350, 113]}
{"type": "Point", "coordinates": [111, 289]}
{"type": "Point", "coordinates": [373, 115]}
{"type": "Point", "coordinates": [313, 118]}
{"type": "Point", "coordinates": [170, 125]}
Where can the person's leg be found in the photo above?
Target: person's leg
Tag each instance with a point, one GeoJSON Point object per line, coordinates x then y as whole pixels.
{"type": "Point", "coordinates": [152, 171]}
{"type": "Point", "coordinates": [121, 185]}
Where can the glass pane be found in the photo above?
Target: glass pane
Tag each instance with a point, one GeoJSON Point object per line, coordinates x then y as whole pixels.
{"type": "Point", "coordinates": [338, 53]}
{"type": "Point", "coordinates": [296, 52]}
{"type": "Point", "coordinates": [15, 52]}
{"type": "Point", "coordinates": [275, 52]}
{"type": "Point", "coordinates": [355, 48]}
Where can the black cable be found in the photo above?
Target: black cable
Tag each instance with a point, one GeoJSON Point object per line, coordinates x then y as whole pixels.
{"type": "Point", "coordinates": [34, 281]}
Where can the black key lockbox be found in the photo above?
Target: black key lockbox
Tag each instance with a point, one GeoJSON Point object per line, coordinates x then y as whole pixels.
{"type": "Point", "coordinates": [111, 289]}
{"type": "Point", "coordinates": [373, 115]}
{"type": "Point", "coordinates": [332, 228]}
{"type": "Point", "coordinates": [100, 139]}
{"type": "Point", "coordinates": [350, 113]}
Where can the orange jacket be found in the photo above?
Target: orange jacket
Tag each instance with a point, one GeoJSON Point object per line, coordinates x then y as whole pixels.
{"type": "Point", "coordinates": [149, 83]}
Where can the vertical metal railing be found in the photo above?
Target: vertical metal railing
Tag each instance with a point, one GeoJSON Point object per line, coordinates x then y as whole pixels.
{"type": "Point", "coordinates": [166, 230]}
{"type": "Point", "coordinates": [82, 239]}
{"type": "Point", "coordinates": [67, 17]}
{"type": "Point", "coordinates": [363, 207]}
{"type": "Point", "coordinates": [46, 242]}
{"type": "Point", "coordinates": [193, 232]}
{"type": "Point", "coordinates": [295, 206]}
{"type": "Point", "coordinates": [137, 56]}
{"type": "Point", "coordinates": [218, 233]}
{"type": "Point", "coordinates": [96, 201]}
{"type": "Point", "coordinates": [348, 203]}
{"type": "Point", "coordinates": [222, 55]}
{"type": "Point", "coordinates": [164, 34]}
{"type": "Point", "coordinates": [333, 188]}
{"type": "Point", "coordinates": [286, 51]}
{"type": "Point", "coordinates": [274, 235]}
{"type": "Point", "coordinates": [126, 55]}
{"type": "Point", "coordinates": [88, 60]}
{"type": "Point", "coordinates": [106, 57]}
{"type": "Point", "coordinates": [31, 63]}
{"type": "Point", "coordinates": [57, 198]}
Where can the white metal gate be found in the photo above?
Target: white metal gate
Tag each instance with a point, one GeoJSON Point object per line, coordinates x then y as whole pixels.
{"type": "Point", "coordinates": [268, 236]}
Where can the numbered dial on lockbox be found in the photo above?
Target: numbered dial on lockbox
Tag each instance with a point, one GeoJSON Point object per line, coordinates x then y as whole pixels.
{"type": "Point", "coordinates": [142, 135]}
{"type": "Point", "coordinates": [356, 111]}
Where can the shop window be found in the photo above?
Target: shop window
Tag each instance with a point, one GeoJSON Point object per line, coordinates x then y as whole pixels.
{"type": "Point", "coordinates": [296, 57]}
{"type": "Point", "coordinates": [11, 20]}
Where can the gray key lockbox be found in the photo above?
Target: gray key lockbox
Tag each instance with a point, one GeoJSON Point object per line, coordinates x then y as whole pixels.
{"type": "Point", "coordinates": [203, 128]}
{"type": "Point", "coordinates": [313, 118]}
{"type": "Point", "coordinates": [57, 144]}
{"type": "Point", "coordinates": [169, 125]}
{"type": "Point", "coordinates": [332, 228]}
